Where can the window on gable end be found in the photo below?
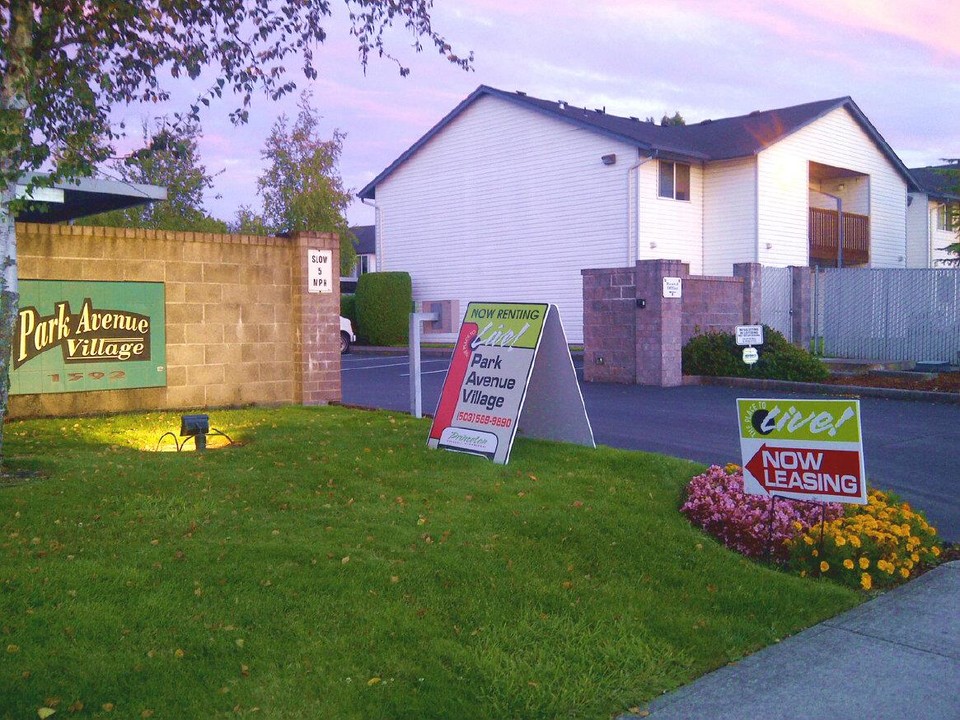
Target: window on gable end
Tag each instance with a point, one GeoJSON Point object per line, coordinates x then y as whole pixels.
{"type": "Point", "coordinates": [674, 180]}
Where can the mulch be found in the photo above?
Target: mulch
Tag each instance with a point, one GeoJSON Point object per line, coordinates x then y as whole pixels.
{"type": "Point", "coordinates": [944, 382]}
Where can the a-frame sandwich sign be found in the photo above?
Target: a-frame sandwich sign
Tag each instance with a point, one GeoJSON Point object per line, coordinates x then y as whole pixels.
{"type": "Point", "coordinates": [511, 372]}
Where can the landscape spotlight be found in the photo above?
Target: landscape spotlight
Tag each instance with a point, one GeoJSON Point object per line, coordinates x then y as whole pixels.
{"type": "Point", "coordinates": [197, 427]}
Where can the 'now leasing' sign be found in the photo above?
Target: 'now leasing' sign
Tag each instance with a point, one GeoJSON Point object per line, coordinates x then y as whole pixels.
{"type": "Point", "coordinates": [802, 449]}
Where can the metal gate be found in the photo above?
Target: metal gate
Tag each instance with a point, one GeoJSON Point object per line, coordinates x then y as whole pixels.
{"type": "Point", "coordinates": [776, 299]}
{"type": "Point", "coordinates": [887, 314]}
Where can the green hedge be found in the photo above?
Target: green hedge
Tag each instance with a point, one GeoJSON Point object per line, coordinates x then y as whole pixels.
{"type": "Point", "coordinates": [348, 308]}
{"type": "Point", "coordinates": [717, 354]}
{"type": "Point", "coordinates": [384, 301]}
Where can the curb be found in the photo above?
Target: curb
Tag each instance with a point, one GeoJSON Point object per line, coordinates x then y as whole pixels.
{"type": "Point", "coordinates": [844, 390]}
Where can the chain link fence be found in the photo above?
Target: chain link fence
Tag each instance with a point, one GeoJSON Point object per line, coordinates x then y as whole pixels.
{"type": "Point", "coordinates": [887, 314]}
{"type": "Point", "coordinates": [776, 299]}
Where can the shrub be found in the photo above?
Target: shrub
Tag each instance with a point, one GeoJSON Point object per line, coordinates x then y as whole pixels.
{"type": "Point", "coordinates": [717, 354]}
{"type": "Point", "coordinates": [384, 301]}
{"type": "Point", "coordinates": [877, 545]}
{"type": "Point", "coordinates": [717, 503]}
{"type": "Point", "coordinates": [348, 308]}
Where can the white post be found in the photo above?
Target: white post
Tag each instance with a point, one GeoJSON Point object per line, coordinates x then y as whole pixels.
{"type": "Point", "coordinates": [416, 394]}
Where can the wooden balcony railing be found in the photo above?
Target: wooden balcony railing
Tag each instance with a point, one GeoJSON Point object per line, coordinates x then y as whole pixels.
{"type": "Point", "coordinates": [824, 238]}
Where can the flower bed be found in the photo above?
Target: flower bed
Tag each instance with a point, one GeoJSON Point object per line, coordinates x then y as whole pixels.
{"type": "Point", "coordinates": [876, 545]}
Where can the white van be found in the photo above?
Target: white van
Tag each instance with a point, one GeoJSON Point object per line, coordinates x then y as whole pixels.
{"type": "Point", "coordinates": [347, 338]}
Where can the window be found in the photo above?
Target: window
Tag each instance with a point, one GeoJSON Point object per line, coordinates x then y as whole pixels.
{"type": "Point", "coordinates": [947, 216]}
{"type": "Point", "coordinates": [674, 180]}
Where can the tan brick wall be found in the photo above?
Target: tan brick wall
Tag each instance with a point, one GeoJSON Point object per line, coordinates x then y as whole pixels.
{"type": "Point", "coordinates": [237, 315]}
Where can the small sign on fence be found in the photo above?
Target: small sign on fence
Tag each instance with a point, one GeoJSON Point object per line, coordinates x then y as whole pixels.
{"type": "Point", "coordinates": [749, 335]}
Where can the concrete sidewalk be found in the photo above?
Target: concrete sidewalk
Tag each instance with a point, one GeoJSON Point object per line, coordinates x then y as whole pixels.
{"type": "Point", "coordinates": [895, 657]}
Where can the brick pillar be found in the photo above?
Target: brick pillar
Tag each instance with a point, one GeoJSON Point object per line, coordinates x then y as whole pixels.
{"type": "Point", "coordinates": [316, 317]}
{"type": "Point", "coordinates": [800, 309]}
{"type": "Point", "coordinates": [659, 328]}
{"type": "Point", "coordinates": [752, 295]}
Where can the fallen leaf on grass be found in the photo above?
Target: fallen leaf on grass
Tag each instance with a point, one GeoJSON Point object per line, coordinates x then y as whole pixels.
{"type": "Point", "coordinates": [373, 681]}
{"type": "Point", "coordinates": [45, 712]}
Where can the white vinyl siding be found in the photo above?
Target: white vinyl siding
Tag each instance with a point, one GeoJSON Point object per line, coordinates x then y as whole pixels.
{"type": "Point", "coordinates": [934, 239]}
{"type": "Point", "coordinates": [920, 214]}
{"type": "Point", "coordinates": [729, 215]}
{"type": "Point", "coordinates": [783, 176]}
{"type": "Point", "coordinates": [670, 229]}
{"type": "Point", "coordinates": [506, 204]}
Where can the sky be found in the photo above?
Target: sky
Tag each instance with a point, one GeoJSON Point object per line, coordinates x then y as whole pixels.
{"type": "Point", "coordinates": [898, 59]}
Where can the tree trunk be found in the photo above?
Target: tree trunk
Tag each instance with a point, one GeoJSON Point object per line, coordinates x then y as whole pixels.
{"type": "Point", "coordinates": [15, 86]}
{"type": "Point", "coordinates": [9, 302]}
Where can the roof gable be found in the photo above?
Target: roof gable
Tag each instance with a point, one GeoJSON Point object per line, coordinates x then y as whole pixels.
{"type": "Point", "coordinates": [721, 139]}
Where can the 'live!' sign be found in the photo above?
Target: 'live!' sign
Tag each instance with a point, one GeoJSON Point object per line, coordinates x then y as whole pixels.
{"type": "Point", "coordinates": [802, 449]}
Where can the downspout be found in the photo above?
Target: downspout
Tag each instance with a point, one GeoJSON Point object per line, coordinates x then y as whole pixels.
{"type": "Point", "coordinates": [633, 209]}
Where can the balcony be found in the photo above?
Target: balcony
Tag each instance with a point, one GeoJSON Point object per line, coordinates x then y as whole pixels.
{"type": "Point", "coordinates": [824, 238]}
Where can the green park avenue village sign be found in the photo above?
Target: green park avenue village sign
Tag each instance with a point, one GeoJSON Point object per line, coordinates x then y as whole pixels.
{"type": "Point", "coordinates": [802, 449]}
{"type": "Point", "coordinates": [76, 336]}
{"type": "Point", "coordinates": [511, 365]}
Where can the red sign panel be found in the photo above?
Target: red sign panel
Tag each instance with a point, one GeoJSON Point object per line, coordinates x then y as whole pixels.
{"type": "Point", "coordinates": [802, 471]}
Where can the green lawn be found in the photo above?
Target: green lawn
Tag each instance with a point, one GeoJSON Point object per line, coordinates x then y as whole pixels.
{"type": "Point", "coordinates": [331, 566]}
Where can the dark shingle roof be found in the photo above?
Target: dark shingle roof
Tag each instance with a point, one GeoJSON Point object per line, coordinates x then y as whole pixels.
{"type": "Point", "coordinates": [366, 239]}
{"type": "Point", "coordinates": [939, 181]}
{"type": "Point", "coordinates": [721, 139]}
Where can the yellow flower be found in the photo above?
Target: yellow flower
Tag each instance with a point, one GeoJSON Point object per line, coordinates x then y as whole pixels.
{"type": "Point", "coordinates": [866, 582]}
{"type": "Point", "coordinates": [915, 557]}
{"type": "Point", "coordinates": [848, 564]}
{"type": "Point", "coordinates": [824, 566]}
{"type": "Point", "coordinates": [935, 550]}
{"type": "Point", "coordinates": [840, 541]}
{"type": "Point", "coordinates": [904, 572]}
{"type": "Point", "coordinates": [808, 540]}
{"type": "Point", "coordinates": [855, 541]}
{"type": "Point", "coordinates": [864, 563]}
{"type": "Point", "coordinates": [816, 553]}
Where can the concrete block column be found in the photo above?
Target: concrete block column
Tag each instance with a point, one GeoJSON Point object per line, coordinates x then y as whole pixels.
{"type": "Point", "coordinates": [317, 323]}
{"type": "Point", "coordinates": [658, 324]}
{"type": "Point", "coordinates": [608, 325]}
{"type": "Point", "coordinates": [752, 290]}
